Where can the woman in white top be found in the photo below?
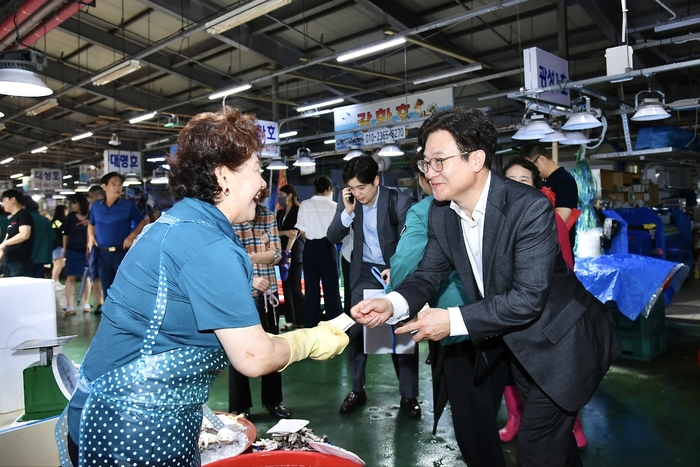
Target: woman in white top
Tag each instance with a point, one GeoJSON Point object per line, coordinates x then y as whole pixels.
{"type": "Point", "coordinates": [320, 255]}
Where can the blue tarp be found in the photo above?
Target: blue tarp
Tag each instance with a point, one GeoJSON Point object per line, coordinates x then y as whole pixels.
{"type": "Point", "coordinates": [633, 281]}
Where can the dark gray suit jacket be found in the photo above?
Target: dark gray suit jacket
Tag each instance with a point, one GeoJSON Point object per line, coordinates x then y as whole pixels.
{"type": "Point", "coordinates": [388, 234]}
{"type": "Point", "coordinates": [561, 334]}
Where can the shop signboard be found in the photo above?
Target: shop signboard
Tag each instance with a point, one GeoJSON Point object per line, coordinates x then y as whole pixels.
{"type": "Point", "coordinates": [46, 179]}
{"type": "Point", "coordinates": [369, 124]}
{"type": "Point", "coordinates": [542, 70]}
{"type": "Point", "coordinates": [6, 185]}
{"type": "Point", "coordinates": [271, 130]}
{"type": "Point", "coordinates": [123, 162]}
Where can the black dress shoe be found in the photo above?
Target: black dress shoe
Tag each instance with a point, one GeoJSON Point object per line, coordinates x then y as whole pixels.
{"type": "Point", "coordinates": [244, 414]}
{"type": "Point", "coordinates": [410, 407]}
{"type": "Point", "coordinates": [353, 401]}
{"type": "Point", "coordinates": [278, 411]}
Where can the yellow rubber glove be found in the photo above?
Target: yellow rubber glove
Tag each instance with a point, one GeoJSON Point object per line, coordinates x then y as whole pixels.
{"type": "Point", "coordinates": [320, 343]}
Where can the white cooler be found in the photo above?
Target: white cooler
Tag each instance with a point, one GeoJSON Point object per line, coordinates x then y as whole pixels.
{"type": "Point", "coordinates": [27, 311]}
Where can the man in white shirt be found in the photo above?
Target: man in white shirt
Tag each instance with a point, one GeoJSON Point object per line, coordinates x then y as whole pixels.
{"type": "Point", "coordinates": [501, 237]}
{"type": "Point", "coordinates": [320, 261]}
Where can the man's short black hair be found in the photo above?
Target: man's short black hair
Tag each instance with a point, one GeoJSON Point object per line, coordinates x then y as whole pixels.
{"type": "Point", "coordinates": [533, 149]}
{"type": "Point", "coordinates": [364, 168]}
{"type": "Point", "coordinates": [16, 194]}
{"type": "Point", "coordinates": [97, 190]}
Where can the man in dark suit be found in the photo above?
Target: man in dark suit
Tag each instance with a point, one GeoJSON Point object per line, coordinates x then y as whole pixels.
{"type": "Point", "coordinates": [501, 237]}
{"type": "Point", "coordinates": [365, 209]}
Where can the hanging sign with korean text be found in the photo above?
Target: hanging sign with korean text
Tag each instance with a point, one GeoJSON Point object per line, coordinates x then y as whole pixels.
{"type": "Point", "coordinates": [542, 70]}
{"type": "Point", "coordinates": [46, 179]}
{"type": "Point", "coordinates": [271, 130]}
{"type": "Point", "coordinates": [122, 161]}
{"type": "Point", "coordinates": [406, 112]}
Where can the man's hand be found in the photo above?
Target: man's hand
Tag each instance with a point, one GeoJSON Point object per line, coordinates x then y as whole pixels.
{"type": "Point", "coordinates": [431, 324]}
{"type": "Point", "coordinates": [129, 241]}
{"type": "Point", "coordinates": [347, 196]}
{"type": "Point", "coordinates": [372, 312]}
{"type": "Point", "coordinates": [260, 283]}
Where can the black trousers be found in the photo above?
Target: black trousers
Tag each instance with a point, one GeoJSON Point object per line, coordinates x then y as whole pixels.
{"type": "Point", "coordinates": [347, 291]}
{"type": "Point", "coordinates": [293, 296]}
{"type": "Point", "coordinates": [405, 365]}
{"type": "Point", "coordinates": [474, 402]}
{"type": "Point", "coordinates": [321, 265]}
{"type": "Point", "coordinates": [239, 397]}
{"type": "Point", "coordinates": [109, 264]}
{"type": "Point", "coordinates": [545, 437]}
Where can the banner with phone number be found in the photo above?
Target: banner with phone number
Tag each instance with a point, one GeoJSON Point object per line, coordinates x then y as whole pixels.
{"type": "Point", "coordinates": [406, 111]}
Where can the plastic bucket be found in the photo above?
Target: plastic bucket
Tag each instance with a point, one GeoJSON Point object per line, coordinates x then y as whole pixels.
{"type": "Point", "coordinates": [284, 459]}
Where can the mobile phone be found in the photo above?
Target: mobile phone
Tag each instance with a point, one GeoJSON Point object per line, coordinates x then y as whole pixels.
{"type": "Point", "coordinates": [351, 199]}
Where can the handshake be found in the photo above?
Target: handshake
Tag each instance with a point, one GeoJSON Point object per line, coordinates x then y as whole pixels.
{"type": "Point", "coordinates": [322, 342]}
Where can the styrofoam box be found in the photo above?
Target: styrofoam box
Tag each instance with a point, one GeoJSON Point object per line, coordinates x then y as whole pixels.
{"type": "Point", "coordinates": [27, 311]}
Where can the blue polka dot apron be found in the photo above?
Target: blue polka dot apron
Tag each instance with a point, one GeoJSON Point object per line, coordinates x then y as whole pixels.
{"type": "Point", "coordinates": [147, 412]}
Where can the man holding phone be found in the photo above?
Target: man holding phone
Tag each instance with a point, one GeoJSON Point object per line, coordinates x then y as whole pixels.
{"type": "Point", "coordinates": [365, 210]}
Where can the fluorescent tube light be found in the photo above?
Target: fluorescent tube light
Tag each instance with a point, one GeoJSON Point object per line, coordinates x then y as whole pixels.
{"type": "Point", "coordinates": [371, 49]}
{"type": "Point", "coordinates": [115, 72]}
{"type": "Point", "coordinates": [689, 21]}
{"type": "Point", "coordinates": [38, 150]}
{"type": "Point", "coordinates": [329, 141]}
{"type": "Point", "coordinates": [141, 118]}
{"type": "Point", "coordinates": [7, 161]}
{"type": "Point", "coordinates": [67, 176]}
{"type": "Point", "coordinates": [320, 104]}
{"type": "Point", "coordinates": [288, 134]}
{"type": "Point", "coordinates": [450, 73]}
{"type": "Point", "coordinates": [156, 143]}
{"type": "Point", "coordinates": [156, 159]}
{"type": "Point", "coordinates": [41, 107]}
{"type": "Point", "coordinates": [229, 91]}
{"type": "Point", "coordinates": [17, 175]}
{"type": "Point", "coordinates": [242, 15]}
{"type": "Point", "coordinates": [81, 136]}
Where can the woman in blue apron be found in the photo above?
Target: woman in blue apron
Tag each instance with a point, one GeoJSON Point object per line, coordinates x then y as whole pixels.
{"type": "Point", "coordinates": [179, 310]}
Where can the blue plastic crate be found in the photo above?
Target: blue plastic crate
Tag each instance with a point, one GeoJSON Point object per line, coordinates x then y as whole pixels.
{"type": "Point", "coordinates": [644, 338]}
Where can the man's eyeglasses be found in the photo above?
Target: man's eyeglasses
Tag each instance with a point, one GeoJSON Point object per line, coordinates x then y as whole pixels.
{"type": "Point", "coordinates": [436, 163]}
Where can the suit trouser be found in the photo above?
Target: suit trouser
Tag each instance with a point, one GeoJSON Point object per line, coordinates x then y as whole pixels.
{"type": "Point", "coordinates": [321, 263]}
{"type": "Point", "coordinates": [474, 403]}
{"type": "Point", "coordinates": [545, 437]}
{"type": "Point", "coordinates": [405, 365]}
{"type": "Point", "coordinates": [239, 397]}
{"type": "Point", "coordinates": [109, 264]}
{"type": "Point", "coordinates": [347, 290]}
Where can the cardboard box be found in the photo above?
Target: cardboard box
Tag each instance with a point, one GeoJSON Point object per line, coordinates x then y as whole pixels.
{"type": "Point", "coordinates": [611, 181]}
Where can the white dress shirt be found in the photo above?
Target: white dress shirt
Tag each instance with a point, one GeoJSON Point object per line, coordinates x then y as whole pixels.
{"type": "Point", "coordinates": [473, 236]}
{"type": "Point", "coordinates": [315, 215]}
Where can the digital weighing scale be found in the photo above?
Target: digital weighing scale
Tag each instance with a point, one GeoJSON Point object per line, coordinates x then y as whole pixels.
{"type": "Point", "coordinates": [50, 382]}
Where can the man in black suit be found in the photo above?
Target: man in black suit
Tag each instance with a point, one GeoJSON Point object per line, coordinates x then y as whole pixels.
{"type": "Point", "coordinates": [501, 237]}
{"type": "Point", "coordinates": [365, 209]}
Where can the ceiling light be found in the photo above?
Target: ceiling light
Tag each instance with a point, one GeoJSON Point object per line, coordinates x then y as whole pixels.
{"type": "Point", "coordinates": [584, 119]}
{"type": "Point", "coordinates": [131, 178]}
{"type": "Point", "coordinates": [371, 49]}
{"type": "Point", "coordinates": [353, 153]}
{"type": "Point", "coordinates": [390, 150]}
{"type": "Point", "coordinates": [67, 176]}
{"type": "Point", "coordinates": [43, 106]}
{"type": "Point", "coordinates": [67, 192]}
{"type": "Point", "coordinates": [82, 187]}
{"type": "Point", "coordinates": [173, 122]}
{"type": "Point", "coordinates": [141, 118]}
{"type": "Point", "coordinates": [17, 175]}
{"type": "Point", "coordinates": [288, 134]}
{"type": "Point", "coordinates": [7, 161]}
{"type": "Point", "coordinates": [329, 141]}
{"type": "Point", "coordinates": [38, 150]}
{"type": "Point", "coordinates": [651, 108]}
{"type": "Point", "coordinates": [81, 136]}
{"type": "Point", "coordinates": [277, 164]}
{"type": "Point", "coordinates": [156, 159]}
{"type": "Point", "coordinates": [522, 134]}
{"type": "Point", "coordinates": [450, 73]}
{"type": "Point", "coordinates": [156, 143]}
{"type": "Point", "coordinates": [229, 91]}
{"type": "Point", "coordinates": [556, 136]}
{"type": "Point", "coordinates": [305, 161]}
{"type": "Point", "coordinates": [689, 21]}
{"type": "Point", "coordinates": [18, 74]}
{"type": "Point", "coordinates": [320, 104]}
{"type": "Point", "coordinates": [115, 72]}
{"type": "Point", "coordinates": [59, 197]}
{"type": "Point", "coordinates": [575, 137]}
{"type": "Point", "coordinates": [166, 166]}
{"type": "Point", "coordinates": [114, 141]}
{"type": "Point", "coordinates": [159, 177]}
{"type": "Point", "coordinates": [242, 15]}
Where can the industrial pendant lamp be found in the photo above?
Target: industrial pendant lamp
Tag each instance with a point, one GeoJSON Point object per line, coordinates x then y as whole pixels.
{"type": "Point", "coordinates": [575, 137]}
{"type": "Point", "coordinates": [277, 164]}
{"type": "Point", "coordinates": [584, 119]}
{"type": "Point", "coordinates": [391, 150]}
{"type": "Point", "coordinates": [353, 153]}
{"type": "Point", "coordinates": [19, 74]}
{"type": "Point", "coordinates": [651, 108]}
{"type": "Point", "coordinates": [131, 178]}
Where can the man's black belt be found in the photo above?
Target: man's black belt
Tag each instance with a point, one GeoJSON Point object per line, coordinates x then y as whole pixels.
{"type": "Point", "coordinates": [111, 248]}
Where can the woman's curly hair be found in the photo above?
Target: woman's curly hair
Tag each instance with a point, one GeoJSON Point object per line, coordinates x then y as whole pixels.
{"type": "Point", "coordinates": [226, 138]}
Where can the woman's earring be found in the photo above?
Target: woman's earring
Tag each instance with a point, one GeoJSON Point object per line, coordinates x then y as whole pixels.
{"type": "Point", "coordinates": [227, 191]}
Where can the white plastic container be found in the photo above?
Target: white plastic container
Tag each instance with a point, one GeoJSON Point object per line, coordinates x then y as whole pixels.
{"type": "Point", "coordinates": [27, 311]}
{"type": "Point", "coordinates": [588, 243]}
